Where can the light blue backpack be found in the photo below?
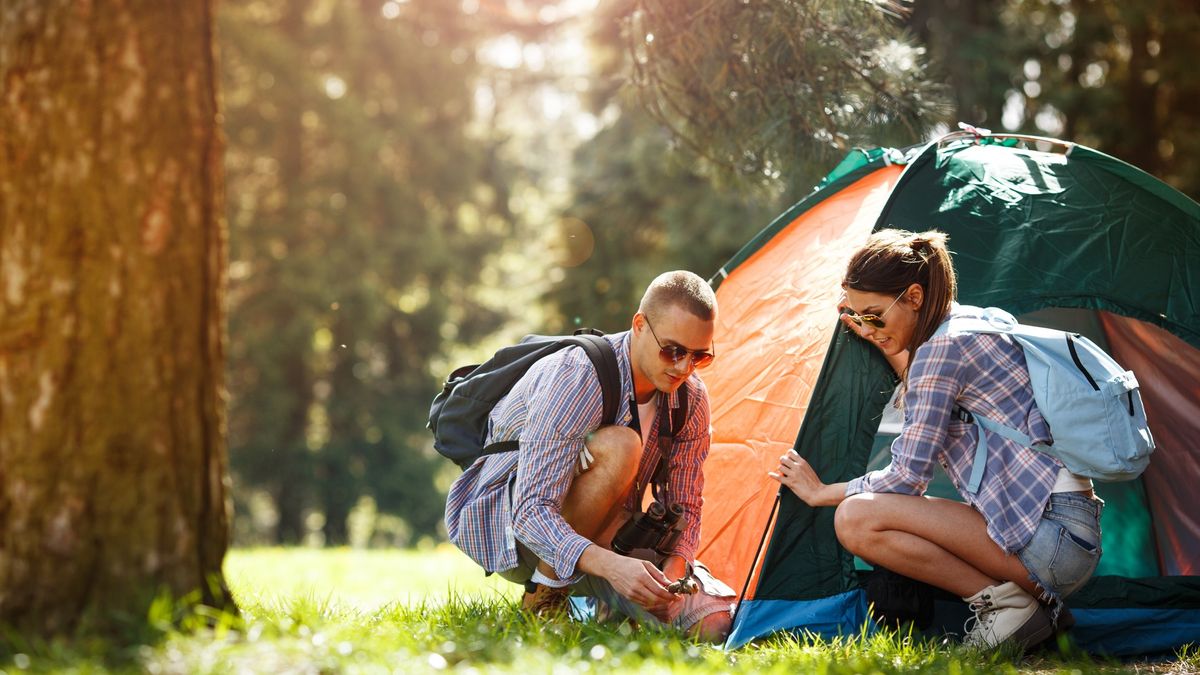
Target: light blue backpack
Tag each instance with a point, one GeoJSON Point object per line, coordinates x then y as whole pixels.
{"type": "Point", "coordinates": [1091, 403]}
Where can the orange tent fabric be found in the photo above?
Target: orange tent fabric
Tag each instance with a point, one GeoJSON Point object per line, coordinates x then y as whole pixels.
{"type": "Point", "coordinates": [776, 314]}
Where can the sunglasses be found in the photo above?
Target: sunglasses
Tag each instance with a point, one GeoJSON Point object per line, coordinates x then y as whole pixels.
{"type": "Point", "coordinates": [873, 320]}
{"type": "Point", "coordinates": [675, 354]}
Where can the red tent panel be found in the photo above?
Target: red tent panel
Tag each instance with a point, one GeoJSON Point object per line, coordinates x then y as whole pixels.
{"type": "Point", "coordinates": [1173, 410]}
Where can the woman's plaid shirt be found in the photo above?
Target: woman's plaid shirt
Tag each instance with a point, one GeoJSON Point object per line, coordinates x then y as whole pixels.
{"type": "Point", "coordinates": [984, 374]}
{"type": "Point", "coordinates": [549, 412]}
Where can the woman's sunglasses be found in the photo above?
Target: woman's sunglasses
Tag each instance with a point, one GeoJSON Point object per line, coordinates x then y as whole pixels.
{"type": "Point", "coordinates": [675, 354]}
{"type": "Point", "coordinates": [872, 320]}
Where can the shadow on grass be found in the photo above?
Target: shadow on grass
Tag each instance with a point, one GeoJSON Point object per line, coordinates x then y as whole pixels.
{"type": "Point", "coordinates": [114, 640]}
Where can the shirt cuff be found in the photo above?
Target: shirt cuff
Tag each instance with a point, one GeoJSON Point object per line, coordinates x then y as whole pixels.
{"type": "Point", "coordinates": [566, 557]}
{"type": "Point", "coordinates": [856, 486]}
{"type": "Point", "coordinates": [685, 548]}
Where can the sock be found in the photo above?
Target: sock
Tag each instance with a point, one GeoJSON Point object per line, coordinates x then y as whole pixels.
{"type": "Point", "coordinates": [539, 578]}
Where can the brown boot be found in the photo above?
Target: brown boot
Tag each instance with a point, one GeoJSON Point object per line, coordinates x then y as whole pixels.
{"type": "Point", "coordinates": [545, 601]}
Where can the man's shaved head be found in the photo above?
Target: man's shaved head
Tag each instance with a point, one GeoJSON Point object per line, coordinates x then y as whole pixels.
{"type": "Point", "coordinates": [682, 289]}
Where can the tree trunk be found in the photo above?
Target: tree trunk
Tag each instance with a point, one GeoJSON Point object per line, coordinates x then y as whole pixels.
{"type": "Point", "coordinates": [113, 483]}
{"type": "Point", "coordinates": [1139, 137]}
{"type": "Point", "coordinates": [963, 37]}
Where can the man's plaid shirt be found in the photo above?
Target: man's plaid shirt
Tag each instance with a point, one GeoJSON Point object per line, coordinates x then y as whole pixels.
{"type": "Point", "coordinates": [549, 412]}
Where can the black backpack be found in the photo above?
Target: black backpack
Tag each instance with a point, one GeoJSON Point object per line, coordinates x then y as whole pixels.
{"type": "Point", "coordinates": [458, 417]}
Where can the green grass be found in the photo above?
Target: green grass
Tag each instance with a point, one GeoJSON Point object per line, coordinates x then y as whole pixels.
{"type": "Point", "coordinates": [362, 580]}
{"type": "Point", "coordinates": [346, 611]}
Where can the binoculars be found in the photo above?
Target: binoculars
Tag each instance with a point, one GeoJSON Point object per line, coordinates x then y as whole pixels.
{"type": "Point", "coordinates": [657, 528]}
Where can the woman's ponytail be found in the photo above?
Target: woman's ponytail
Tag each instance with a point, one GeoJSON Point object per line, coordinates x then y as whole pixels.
{"type": "Point", "coordinates": [941, 286]}
{"type": "Point", "coordinates": [893, 260]}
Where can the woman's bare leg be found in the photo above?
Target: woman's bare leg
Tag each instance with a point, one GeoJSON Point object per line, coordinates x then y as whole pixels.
{"type": "Point", "coordinates": [941, 542]}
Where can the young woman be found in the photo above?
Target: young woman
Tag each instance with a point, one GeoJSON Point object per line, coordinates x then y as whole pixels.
{"type": "Point", "coordinates": [1032, 529]}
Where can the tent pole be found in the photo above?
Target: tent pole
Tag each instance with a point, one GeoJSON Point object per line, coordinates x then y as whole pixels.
{"type": "Point", "coordinates": [757, 553]}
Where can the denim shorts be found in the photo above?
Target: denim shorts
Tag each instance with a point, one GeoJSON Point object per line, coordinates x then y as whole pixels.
{"type": "Point", "coordinates": [1065, 548]}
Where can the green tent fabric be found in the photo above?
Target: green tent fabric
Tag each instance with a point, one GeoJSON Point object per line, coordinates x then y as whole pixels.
{"type": "Point", "coordinates": [804, 558]}
{"type": "Point", "coordinates": [1029, 230]}
{"type": "Point", "coordinates": [1100, 233]}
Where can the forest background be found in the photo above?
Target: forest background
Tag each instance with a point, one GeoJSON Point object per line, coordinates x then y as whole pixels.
{"type": "Point", "coordinates": [410, 185]}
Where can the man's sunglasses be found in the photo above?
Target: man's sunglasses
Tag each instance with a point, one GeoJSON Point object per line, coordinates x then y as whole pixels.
{"type": "Point", "coordinates": [675, 353]}
{"type": "Point", "coordinates": [872, 320]}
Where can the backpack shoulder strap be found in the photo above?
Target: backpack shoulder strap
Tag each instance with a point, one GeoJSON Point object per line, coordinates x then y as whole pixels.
{"type": "Point", "coordinates": [666, 445]}
{"type": "Point", "coordinates": [970, 319]}
{"type": "Point", "coordinates": [680, 419]}
{"type": "Point", "coordinates": [604, 359]}
{"type": "Point", "coordinates": [983, 426]}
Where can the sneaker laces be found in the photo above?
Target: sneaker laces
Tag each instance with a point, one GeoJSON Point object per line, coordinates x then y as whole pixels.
{"type": "Point", "coordinates": [980, 621]}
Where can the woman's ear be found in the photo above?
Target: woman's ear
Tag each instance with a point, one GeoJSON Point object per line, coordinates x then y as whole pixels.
{"type": "Point", "coordinates": [915, 296]}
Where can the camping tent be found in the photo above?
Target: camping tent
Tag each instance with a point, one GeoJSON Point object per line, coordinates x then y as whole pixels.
{"type": "Point", "coordinates": [1054, 232]}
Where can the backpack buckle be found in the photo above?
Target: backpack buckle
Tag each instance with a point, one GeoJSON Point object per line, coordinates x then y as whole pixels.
{"type": "Point", "coordinates": [962, 415]}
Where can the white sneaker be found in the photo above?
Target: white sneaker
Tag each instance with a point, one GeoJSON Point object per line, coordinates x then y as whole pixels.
{"type": "Point", "coordinates": [1006, 612]}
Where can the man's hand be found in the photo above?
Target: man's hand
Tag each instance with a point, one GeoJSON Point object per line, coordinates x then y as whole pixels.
{"type": "Point", "coordinates": [680, 572]}
{"type": "Point", "coordinates": [641, 582]}
{"type": "Point", "coordinates": [674, 566]}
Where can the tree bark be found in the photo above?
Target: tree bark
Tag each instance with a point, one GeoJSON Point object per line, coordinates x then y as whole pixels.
{"type": "Point", "coordinates": [113, 481]}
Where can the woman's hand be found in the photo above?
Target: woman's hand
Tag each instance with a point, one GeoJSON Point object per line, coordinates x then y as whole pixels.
{"type": "Point", "coordinates": [798, 475]}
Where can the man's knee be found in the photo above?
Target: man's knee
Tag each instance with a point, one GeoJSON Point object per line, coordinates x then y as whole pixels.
{"type": "Point", "coordinates": [615, 448]}
{"type": "Point", "coordinates": [853, 522]}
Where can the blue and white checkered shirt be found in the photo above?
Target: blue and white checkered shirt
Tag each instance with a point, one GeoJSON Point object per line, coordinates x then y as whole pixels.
{"type": "Point", "coordinates": [985, 374]}
{"type": "Point", "coordinates": [549, 412]}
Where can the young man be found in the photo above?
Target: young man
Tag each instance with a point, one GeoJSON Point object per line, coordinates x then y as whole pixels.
{"type": "Point", "coordinates": [546, 514]}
